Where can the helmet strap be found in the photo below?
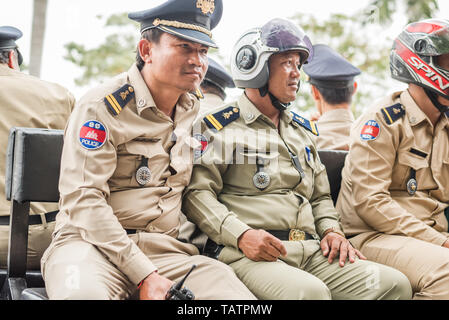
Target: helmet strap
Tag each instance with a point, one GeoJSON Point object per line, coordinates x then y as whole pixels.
{"type": "Point", "coordinates": [274, 101]}
{"type": "Point", "coordinates": [434, 98]}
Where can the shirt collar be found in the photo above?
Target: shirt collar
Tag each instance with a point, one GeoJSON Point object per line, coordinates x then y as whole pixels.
{"type": "Point", "coordinates": [337, 115]}
{"type": "Point", "coordinates": [248, 111]}
{"type": "Point", "coordinates": [413, 111]}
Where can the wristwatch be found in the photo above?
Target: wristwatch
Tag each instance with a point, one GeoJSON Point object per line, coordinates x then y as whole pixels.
{"type": "Point", "coordinates": [334, 230]}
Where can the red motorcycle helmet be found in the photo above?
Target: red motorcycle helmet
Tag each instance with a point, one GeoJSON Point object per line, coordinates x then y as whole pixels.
{"type": "Point", "coordinates": [413, 58]}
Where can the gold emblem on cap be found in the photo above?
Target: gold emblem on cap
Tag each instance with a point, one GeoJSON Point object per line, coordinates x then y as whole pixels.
{"type": "Point", "coordinates": [206, 6]}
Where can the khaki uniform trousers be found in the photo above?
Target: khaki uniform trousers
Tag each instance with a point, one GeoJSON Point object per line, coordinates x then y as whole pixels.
{"type": "Point", "coordinates": [425, 264]}
{"type": "Point", "coordinates": [313, 278]}
{"type": "Point", "coordinates": [39, 238]}
{"type": "Point", "coordinates": [77, 270]}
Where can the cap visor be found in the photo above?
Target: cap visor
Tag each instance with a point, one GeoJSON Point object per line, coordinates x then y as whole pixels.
{"type": "Point", "coordinates": [191, 35]}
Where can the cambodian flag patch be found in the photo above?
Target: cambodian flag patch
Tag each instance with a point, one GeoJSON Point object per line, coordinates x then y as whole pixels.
{"type": "Point", "coordinates": [204, 143]}
{"type": "Point", "coordinates": [93, 135]}
{"type": "Point", "coordinates": [370, 131]}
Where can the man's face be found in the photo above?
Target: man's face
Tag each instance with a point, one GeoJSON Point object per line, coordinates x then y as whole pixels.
{"type": "Point", "coordinates": [443, 62]}
{"type": "Point", "coordinates": [284, 75]}
{"type": "Point", "coordinates": [178, 63]}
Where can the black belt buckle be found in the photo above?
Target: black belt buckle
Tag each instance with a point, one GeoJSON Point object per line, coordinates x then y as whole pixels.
{"type": "Point", "coordinates": [291, 235]}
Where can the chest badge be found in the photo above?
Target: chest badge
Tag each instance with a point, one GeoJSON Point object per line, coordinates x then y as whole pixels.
{"type": "Point", "coordinates": [143, 173]}
{"type": "Point", "coordinates": [261, 180]}
{"type": "Point", "coordinates": [412, 184]}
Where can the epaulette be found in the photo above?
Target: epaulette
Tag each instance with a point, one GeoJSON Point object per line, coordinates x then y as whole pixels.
{"type": "Point", "coordinates": [221, 119]}
{"type": "Point", "coordinates": [119, 99]}
{"type": "Point", "coordinates": [393, 113]}
{"type": "Point", "coordinates": [309, 125]}
{"type": "Point", "coordinates": [198, 93]}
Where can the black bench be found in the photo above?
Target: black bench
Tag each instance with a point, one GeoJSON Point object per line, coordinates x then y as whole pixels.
{"type": "Point", "coordinates": [32, 175]}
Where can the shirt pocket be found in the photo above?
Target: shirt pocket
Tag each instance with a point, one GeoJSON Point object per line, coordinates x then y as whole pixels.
{"type": "Point", "coordinates": [253, 168]}
{"type": "Point", "coordinates": [406, 161]}
{"type": "Point", "coordinates": [130, 157]}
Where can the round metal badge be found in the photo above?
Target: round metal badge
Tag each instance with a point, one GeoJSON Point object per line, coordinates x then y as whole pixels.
{"type": "Point", "coordinates": [261, 180]}
{"type": "Point", "coordinates": [143, 175]}
{"type": "Point", "coordinates": [412, 186]}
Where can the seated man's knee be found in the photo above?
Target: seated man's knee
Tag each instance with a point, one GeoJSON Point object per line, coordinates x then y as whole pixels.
{"type": "Point", "coordinates": [388, 283]}
{"type": "Point", "coordinates": [311, 288]}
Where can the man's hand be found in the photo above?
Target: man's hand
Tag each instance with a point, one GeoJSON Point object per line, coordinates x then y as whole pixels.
{"type": "Point", "coordinates": [259, 245]}
{"type": "Point", "coordinates": [155, 287]}
{"type": "Point", "coordinates": [339, 245]}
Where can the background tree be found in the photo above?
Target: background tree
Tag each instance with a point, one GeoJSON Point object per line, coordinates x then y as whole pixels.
{"type": "Point", "coordinates": [414, 10]}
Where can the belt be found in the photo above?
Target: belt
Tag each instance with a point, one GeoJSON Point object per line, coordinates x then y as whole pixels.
{"type": "Point", "coordinates": [33, 219]}
{"type": "Point", "coordinates": [213, 250]}
{"type": "Point", "coordinates": [131, 231]}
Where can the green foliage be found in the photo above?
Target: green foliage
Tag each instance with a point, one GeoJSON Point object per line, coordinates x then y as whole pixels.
{"type": "Point", "coordinates": [414, 10]}
{"type": "Point", "coordinates": [115, 55]}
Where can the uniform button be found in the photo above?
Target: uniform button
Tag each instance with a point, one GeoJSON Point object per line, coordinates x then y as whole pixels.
{"type": "Point", "coordinates": [249, 117]}
{"type": "Point", "coordinates": [151, 228]}
{"type": "Point", "coordinates": [141, 103]}
{"type": "Point", "coordinates": [412, 120]}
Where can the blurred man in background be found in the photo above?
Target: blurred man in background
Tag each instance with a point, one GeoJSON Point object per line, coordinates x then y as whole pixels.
{"type": "Point", "coordinates": [27, 101]}
{"type": "Point", "coordinates": [331, 78]}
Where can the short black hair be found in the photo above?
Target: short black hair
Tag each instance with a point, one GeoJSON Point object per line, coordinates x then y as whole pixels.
{"type": "Point", "coordinates": [337, 95]}
{"type": "Point", "coordinates": [152, 35]}
{"type": "Point", "coordinates": [4, 55]}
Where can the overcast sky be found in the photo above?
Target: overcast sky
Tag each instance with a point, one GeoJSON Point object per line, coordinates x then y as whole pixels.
{"type": "Point", "coordinates": [75, 20]}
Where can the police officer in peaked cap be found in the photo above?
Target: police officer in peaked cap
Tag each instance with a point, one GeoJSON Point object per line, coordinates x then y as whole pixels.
{"type": "Point", "coordinates": [332, 86]}
{"type": "Point", "coordinates": [214, 86]}
{"type": "Point", "coordinates": [124, 168]}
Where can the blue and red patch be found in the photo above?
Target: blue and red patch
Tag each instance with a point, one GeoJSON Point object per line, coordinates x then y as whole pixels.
{"type": "Point", "coordinates": [204, 143]}
{"type": "Point", "coordinates": [370, 131]}
{"type": "Point", "coordinates": [93, 135]}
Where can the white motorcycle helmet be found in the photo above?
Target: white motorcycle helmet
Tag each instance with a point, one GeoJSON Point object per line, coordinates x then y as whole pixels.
{"type": "Point", "coordinates": [250, 55]}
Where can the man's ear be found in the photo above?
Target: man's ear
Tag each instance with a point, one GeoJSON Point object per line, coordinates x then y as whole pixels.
{"type": "Point", "coordinates": [145, 50]}
{"type": "Point", "coordinates": [12, 61]}
{"type": "Point", "coordinates": [355, 87]}
{"type": "Point", "coordinates": [315, 93]}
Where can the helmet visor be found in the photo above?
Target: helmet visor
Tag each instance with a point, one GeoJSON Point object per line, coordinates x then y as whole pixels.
{"type": "Point", "coordinates": [433, 44]}
{"type": "Point", "coordinates": [286, 36]}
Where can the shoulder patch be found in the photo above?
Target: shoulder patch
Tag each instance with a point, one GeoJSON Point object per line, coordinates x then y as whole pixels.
{"type": "Point", "coordinates": [119, 99]}
{"type": "Point", "coordinates": [393, 113]}
{"type": "Point", "coordinates": [309, 125]}
{"type": "Point", "coordinates": [221, 119]}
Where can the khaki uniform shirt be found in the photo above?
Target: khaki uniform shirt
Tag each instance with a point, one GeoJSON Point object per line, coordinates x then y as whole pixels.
{"type": "Point", "coordinates": [100, 196]}
{"type": "Point", "coordinates": [26, 101]}
{"type": "Point", "coordinates": [210, 102]}
{"type": "Point", "coordinates": [222, 198]}
{"type": "Point", "coordinates": [334, 127]}
{"type": "Point", "coordinates": [374, 194]}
